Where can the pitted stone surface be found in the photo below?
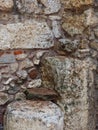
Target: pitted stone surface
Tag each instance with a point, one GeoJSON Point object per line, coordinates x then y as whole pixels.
{"type": "Point", "coordinates": [28, 6]}
{"type": "Point", "coordinates": [37, 115]}
{"type": "Point", "coordinates": [73, 80]}
{"type": "Point", "coordinates": [6, 5]}
{"type": "Point", "coordinates": [76, 24]}
{"type": "Point", "coordinates": [74, 4]}
{"type": "Point", "coordinates": [51, 6]}
{"type": "Point", "coordinates": [27, 35]}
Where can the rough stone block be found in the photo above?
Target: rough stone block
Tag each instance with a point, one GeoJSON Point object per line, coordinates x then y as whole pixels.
{"type": "Point", "coordinates": [73, 79]}
{"type": "Point", "coordinates": [74, 4]}
{"type": "Point", "coordinates": [6, 5]}
{"type": "Point", "coordinates": [27, 35]}
{"type": "Point", "coordinates": [28, 6]}
{"type": "Point", "coordinates": [33, 115]}
{"type": "Point", "coordinates": [76, 24]}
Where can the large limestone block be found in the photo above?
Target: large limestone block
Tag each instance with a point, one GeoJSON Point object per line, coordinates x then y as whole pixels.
{"type": "Point", "coordinates": [33, 115]}
{"type": "Point", "coordinates": [27, 35]}
{"type": "Point", "coordinates": [6, 5]}
{"type": "Point", "coordinates": [74, 4]}
{"type": "Point", "coordinates": [73, 80]}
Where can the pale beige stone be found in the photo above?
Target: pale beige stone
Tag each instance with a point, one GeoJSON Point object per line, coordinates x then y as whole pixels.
{"type": "Point", "coordinates": [6, 5]}
{"type": "Point", "coordinates": [33, 115]}
{"type": "Point", "coordinates": [26, 64]}
{"type": "Point", "coordinates": [74, 4]}
{"type": "Point", "coordinates": [27, 35]}
{"type": "Point", "coordinates": [73, 79]}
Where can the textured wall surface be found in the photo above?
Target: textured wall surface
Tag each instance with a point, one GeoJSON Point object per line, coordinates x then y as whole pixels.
{"type": "Point", "coordinates": [51, 44]}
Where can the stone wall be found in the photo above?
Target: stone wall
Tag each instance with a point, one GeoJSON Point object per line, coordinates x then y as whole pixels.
{"type": "Point", "coordinates": [51, 44]}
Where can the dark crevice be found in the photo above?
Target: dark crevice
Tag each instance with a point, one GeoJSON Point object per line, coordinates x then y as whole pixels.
{"type": "Point", "coordinates": [15, 9]}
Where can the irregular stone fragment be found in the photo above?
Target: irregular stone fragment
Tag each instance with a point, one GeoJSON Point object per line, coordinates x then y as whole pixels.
{"type": "Point", "coordinates": [68, 45]}
{"type": "Point", "coordinates": [4, 88]}
{"type": "Point", "coordinates": [7, 58]}
{"type": "Point", "coordinates": [39, 54]}
{"type": "Point", "coordinates": [22, 74]}
{"type": "Point", "coordinates": [26, 64]}
{"type": "Point", "coordinates": [91, 18]}
{"type": "Point", "coordinates": [27, 35]}
{"type": "Point", "coordinates": [41, 94]}
{"type": "Point", "coordinates": [76, 24]}
{"type": "Point", "coordinates": [21, 56]}
{"type": "Point", "coordinates": [36, 58]}
{"type": "Point", "coordinates": [8, 81]}
{"type": "Point", "coordinates": [96, 32]}
{"type": "Point", "coordinates": [74, 4]}
{"type": "Point", "coordinates": [56, 28]}
{"type": "Point", "coordinates": [35, 83]}
{"type": "Point", "coordinates": [36, 61]}
{"type": "Point", "coordinates": [51, 6]}
{"type": "Point", "coordinates": [13, 90]}
{"type": "Point", "coordinates": [73, 79]}
{"type": "Point", "coordinates": [54, 17]}
{"type": "Point", "coordinates": [13, 67]}
{"type": "Point", "coordinates": [33, 115]}
{"type": "Point", "coordinates": [4, 69]}
{"type": "Point", "coordinates": [6, 5]}
{"type": "Point", "coordinates": [28, 6]}
{"type": "Point", "coordinates": [94, 45]}
{"type": "Point", "coordinates": [20, 96]}
{"type": "Point", "coordinates": [3, 98]}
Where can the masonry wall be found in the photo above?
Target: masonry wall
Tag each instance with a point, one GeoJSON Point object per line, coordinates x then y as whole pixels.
{"type": "Point", "coordinates": [51, 44]}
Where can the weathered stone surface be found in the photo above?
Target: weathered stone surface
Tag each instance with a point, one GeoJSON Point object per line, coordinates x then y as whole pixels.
{"type": "Point", "coordinates": [27, 35]}
{"type": "Point", "coordinates": [6, 5]}
{"type": "Point", "coordinates": [13, 67]}
{"type": "Point", "coordinates": [26, 64]}
{"type": "Point", "coordinates": [51, 6]}
{"type": "Point", "coordinates": [28, 6]}
{"type": "Point", "coordinates": [68, 45]}
{"type": "Point", "coordinates": [3, 98]}
{"type": "Point", "coordinates": [21, 56]}
{"type": "Point", "coordinates": [96, 32]}
{"type": "Point", "coordinates": [7, 58]}
{"type": "Point", "coordinates": [73, 79]}
{"type": "Point", "coordinates": [74, 4]}
{"type": "Point", "coordinates": [56, 28]}
{"type": "Point", "coordinates": [37, 115]}
{"type": "Point", "coordinates": [94, 45]}
{"type": "Point", "coordinates": [75, 24]}
{"type": "Point", "coordinates": [4, 68]}
{"type": "Point", "coordinates": [35, 83]}
{"type": "Point", "coordinates": [20, 96]}
{"type": "Point", "coordinates": [4, 88]}
{"type": "Point", "coordinates": [22, 74]}
{"type": "Point", "coordinates": [41, 94]}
